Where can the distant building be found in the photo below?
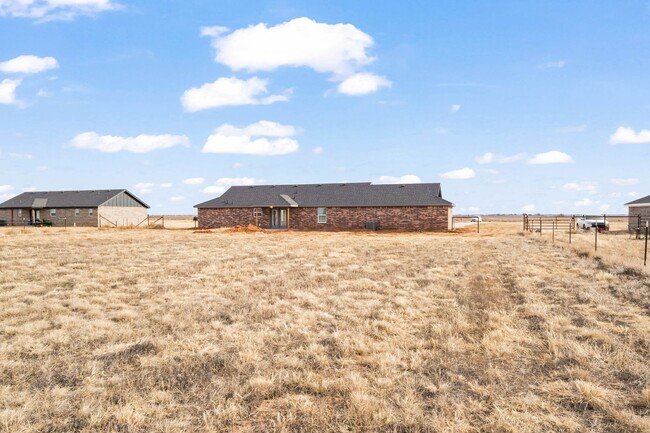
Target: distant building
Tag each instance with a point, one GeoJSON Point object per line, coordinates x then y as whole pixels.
{"type": "Point", "coordinates": [639, 212]}
{"type": "Point", "coordinates": [114, 207]}
{"type": "Point", "coordinates": [335, 206]}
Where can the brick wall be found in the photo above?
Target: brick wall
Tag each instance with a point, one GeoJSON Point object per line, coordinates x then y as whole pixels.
{"type": "Point", "coordinates": [64, 216]}
{"type": "Point", "coordinates": [634, 211]}
{"type": "Point", "coordinates": [413, 218]}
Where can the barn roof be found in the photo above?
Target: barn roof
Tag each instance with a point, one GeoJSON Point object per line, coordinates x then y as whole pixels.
{"type": "Point", "coordinates": [331, 194]}
{"type": "Point", "coordinates": [63, 199]}
{"type": "Point", "coordinates": [641, 201]}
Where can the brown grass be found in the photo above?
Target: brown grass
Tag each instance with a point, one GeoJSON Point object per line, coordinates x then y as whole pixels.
{"type": "Point", "coordinates": [172, 331]}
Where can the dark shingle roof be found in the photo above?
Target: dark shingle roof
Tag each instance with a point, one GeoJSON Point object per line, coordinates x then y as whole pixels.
{"type": "Point", "coordinates": [642, 200]}
{"type": "Point", "coordinates": [332, 194]}
{"type": "Point", "coordinates": [63, 199]}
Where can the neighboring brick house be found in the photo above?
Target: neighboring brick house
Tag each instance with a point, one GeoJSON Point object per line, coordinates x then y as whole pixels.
{"type": "Point", "coordinates": [336, 206]}
{"type": "Point", "coordinates": [639, 212]}
{"type": "Point", "coordinates": [114, 207]}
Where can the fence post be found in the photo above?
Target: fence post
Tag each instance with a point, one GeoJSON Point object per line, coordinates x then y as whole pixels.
{"type": "Point", "coordinates": [540, 226]}
{"type": "Point", "coordinates": [596, 238]}
{"type": "Point", "coordinates": [554, 222]}
{"type": "Point", "coordinates": [645, 255]}
{"type": "Point", "coordinates": [478, 226]}
{"type": "Point", "coordinates": [570, 229]}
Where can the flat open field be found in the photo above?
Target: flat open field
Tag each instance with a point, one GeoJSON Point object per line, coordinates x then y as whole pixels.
{"type": "Point", "coordinates": [175, 331]}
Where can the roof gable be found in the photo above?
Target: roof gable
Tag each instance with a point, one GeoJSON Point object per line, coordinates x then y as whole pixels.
{"type": "Point", "coordinates": [642, 201]}
{"type": "Point", "coordinates": [65, 199]}
{"type": "Point", "coordinates": [333, 195]}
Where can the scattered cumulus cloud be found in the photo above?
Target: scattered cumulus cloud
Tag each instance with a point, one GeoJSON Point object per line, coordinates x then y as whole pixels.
{"type": "Point", "coordinates": [585, 202]}
{"type": "Point", "coordinates": [552, 157]}
{"type": "Point", "coordinates": [623, 182]}
{"type": "Point", "coordinates": [8, 91]}
{"type": "Point", "coordinates": [339, 49]}
{"type": "Point", "coordinates": [407, 178]}
{"type": "Point", "coordinates": [633, 194]}
{"type": "Point", "coordinates": [49, 10]}
{"type": "Point", "coordinates": [6, 188]}
{"type": "Point", "coordinates": [194, 181]}
{"type": "Point", "coordinates": [223, 183]}
{"type": "Point", "coordinates": [166, 185]}
{"type": "Point", "coordinates": [362, 84]}
{"type": "Point", "coordinates": [28, 64]}
{"type": "Point", "coordinates": [463, 173]}
{"type": "Point", "coordinates": [176, 198]}
{"type": "Point", "coordinates": [228, 92]}
{"type": "Point", "coordinates": [143, 187]}
{"type": "Point", "coordinates": [262, 138]}
{"type": "Point", "coordinates": [317, 150]}
{"type": "Point", "coordinates": [590, 187]}
{"type": "Point", "coordinates": [629, 136]}
{"type": "Point", "coordinates": [140, 144]}
{"type": "Point", "coordinates": [20, 155]}
{"type": "Point", "coordinates": [557, 64]}
{"type": "Point", "coordinates": [455, 108]}
{"type": "Point", "coordinates": [491, 158]}
{"type": "Point", "coordinates": [529, 208]}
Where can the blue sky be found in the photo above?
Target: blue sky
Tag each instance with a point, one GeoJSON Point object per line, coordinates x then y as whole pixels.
{"type": "Point", "coordinates": [513, 106]}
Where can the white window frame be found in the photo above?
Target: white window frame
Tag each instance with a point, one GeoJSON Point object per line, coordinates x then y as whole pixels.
{"type": "Point", "coordinates": [321, 215]}
{"type": "Point", "coordinates": [77, 212]}
{"type": "Point", "coordinates": [20, 213]}
{"type": "Point", "coordinates": [257, 212]}
{"type": "Point", "coordinates": [52, 212]}
{"type": "Point", "coordinates": [90, 212]}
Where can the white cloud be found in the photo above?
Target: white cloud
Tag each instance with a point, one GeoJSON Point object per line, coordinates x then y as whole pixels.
{"type": "Point", "coordinates": [6, 188]}
{"type": "Point", "coordinates": [166, 185]}
{"type": "Point", "coordinates": [633, 194]}
{"type": "Point", "coordinates": [47, 10]}
{"type": "Point", "coordinates": [552, 157]}
{"type": "Point", "coordinates": [557, 64]}
{"type": "Point", "coordinates": [237, 165]}
{"type": "Point", "coordinates": [407, 178]}
{"type": "Point", "coordinates": [529, 208]}
{"type": "Point", "coordinates": [194, 181]}
{"type": "Point", "coordinates": [603, 207]}
{"type": "Point", "coordinates": [628, 181]}
{"type": "Point", "coordinates": [362, 84]}
{"type": "Point", "coordinates": [455, 108]}
{"type": "Point", "coordinates": [629, 136]}
{"type": "Point", "coordinates": [491, 158]}
{"type": "Point", "coordinates": [223, 183]}
{"type": "Point", "coordinates": [28, 64]}
{"type": "Point", "coordinates": [213, 31]}
{"type": "Point", "coordinates": [230, 139]}
{"type": "Point", "coordinates": [317, 150]}
{"type": "Point", "coordinates": [339, 49]}
{"type": "Point", "coordinates": [143, 187]}
{"type": "Point", "coordinates": [8, 91]}
{"type": "Point", "coordinates": [463, 173]}
{"type": "Point", "coordinates": [230, 91]}
{"type": "Point", "coordinates": [590, 187]}
{"type": "Point", "coordinates": [42, 93]}
{"type": "Point", "coordinates": [139, 144]}
{"type": "Point", "coordinates": [176, 198]}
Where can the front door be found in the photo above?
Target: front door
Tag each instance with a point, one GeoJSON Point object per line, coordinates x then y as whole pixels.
{"type": "Point", "coordinates": [278, 218]}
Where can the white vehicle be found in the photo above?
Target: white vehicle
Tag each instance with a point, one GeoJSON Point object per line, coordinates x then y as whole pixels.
{"type": "Point", "coordinates": [476, 219]}
{"type": "Point", "coordinates": [586, 223]}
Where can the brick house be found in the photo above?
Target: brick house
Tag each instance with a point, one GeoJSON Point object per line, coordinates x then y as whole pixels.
{"type": "Point", "coordinates": [336, 206]}
{"type": "Point", "coordinates": [638, 211]}
{"type": "Point", "coordinates": [114, 207]}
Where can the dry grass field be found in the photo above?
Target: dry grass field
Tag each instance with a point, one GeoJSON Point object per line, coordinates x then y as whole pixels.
{"type": "Point", "coordinates": [175, 331]}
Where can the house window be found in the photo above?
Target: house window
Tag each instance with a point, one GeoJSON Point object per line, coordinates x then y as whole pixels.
{"type": "Point", "coordinates": [257, 212]}
{"type": "Point", "coordinates": [20, 213]}
{"type": "Point", "coordinates": [52, 212]}
{"type": "Point", "coordinates": [90, 212]}
{"type": "Point", "coordinates": [76, 212]}
{"type": "Point", "coordinates": [322, 215]}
